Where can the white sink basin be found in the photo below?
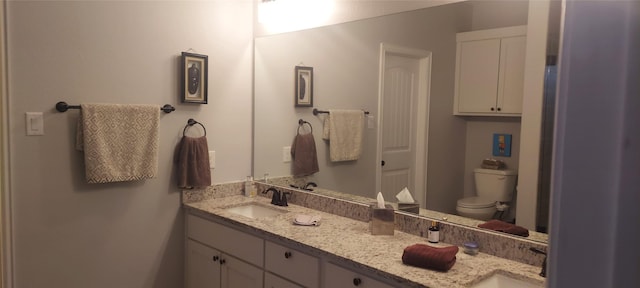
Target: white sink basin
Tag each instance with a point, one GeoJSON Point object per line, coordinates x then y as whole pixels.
{"type": "Point", "coordinates": [255, 210]}
{"type": "Point", "coordinates": [503, 280]}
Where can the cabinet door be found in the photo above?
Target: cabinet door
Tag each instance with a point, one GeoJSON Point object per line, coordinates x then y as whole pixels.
{"type": "Point", "coordinates": [511, 83]}
{"type": "Point", "coordinates": [202, 266]}
{"type": "Point", "coordinates": [238, 274]}
{"type": "Point", "coordinates": [336, 276]}
{"type": "Point", "coordinates": [477, 79]}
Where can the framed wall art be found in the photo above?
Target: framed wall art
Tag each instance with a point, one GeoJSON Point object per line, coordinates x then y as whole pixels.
{"type": "Point", "coordinates": [304, 86]}
{"type": "Point", "coordinates": [502, 145]}
{"type": "Point", "coordinates": [194, 78]}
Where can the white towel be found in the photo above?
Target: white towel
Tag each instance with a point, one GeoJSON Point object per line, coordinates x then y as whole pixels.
{"type": "Point", "coordinates": [120, 142]}
{"type": "Point", "coordinates": [345, 134]}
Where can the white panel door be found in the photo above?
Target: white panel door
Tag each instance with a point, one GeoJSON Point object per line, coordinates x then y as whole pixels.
{"type": "Point", "coordinates": [399, 119]}
{"type": "Point", "coordinates": [203, 267]}
{"type": "Point", "coordinates": [511, 85]}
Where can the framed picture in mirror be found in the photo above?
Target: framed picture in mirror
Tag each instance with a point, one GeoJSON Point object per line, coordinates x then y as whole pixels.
{"type": "Point", "coordinates": [194, 78]}
{"type": "Point", "coordinates": [304, 86]}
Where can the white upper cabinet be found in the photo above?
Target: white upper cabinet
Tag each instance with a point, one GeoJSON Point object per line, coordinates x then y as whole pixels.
{"type": "Point", "coordinates": [490, 72]}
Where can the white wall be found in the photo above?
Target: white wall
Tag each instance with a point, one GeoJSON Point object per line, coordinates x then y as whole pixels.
{"type": "Point", "coordinates": [71, 234]}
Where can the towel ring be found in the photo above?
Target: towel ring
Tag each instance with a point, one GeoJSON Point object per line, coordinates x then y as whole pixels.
{"type": "Point", "coordinates": [190, 123]}
{"type": "Point", "coordinates": [301, 123]}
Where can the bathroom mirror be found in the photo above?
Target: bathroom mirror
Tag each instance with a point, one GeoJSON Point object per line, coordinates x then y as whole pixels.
{"type": "Point", "coordinates": [345, 60]}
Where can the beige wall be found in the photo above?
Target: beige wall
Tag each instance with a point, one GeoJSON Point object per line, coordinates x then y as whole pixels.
{"type": "Point", "coordinates": [71, 234]}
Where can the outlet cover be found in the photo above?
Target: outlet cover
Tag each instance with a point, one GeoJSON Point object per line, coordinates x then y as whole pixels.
{"type": "Point", "coordinates": [212, 159]}
{"type": "Point", "coordinates": [286, 154]}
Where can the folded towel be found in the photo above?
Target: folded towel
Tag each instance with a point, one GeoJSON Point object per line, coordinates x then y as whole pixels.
{"type": "Point", "coordinates": [505, 227]}
{"type": "Point", "coordinates": [192, 157]}
{"type": "Point", "coordinates": [345, 134]}
{"type": "Point", "coordinates": [120, 142]}
{"type": "Point", "coordinates": [425, 256]}
{"type": "Point", "coordinates": [307, 220]}
{"type": "Point", "coordinates": [303, 153]}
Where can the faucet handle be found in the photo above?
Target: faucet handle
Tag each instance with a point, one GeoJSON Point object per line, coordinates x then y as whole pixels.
{"type": "Point", "coordinates": [283, 198]}
{"type": "Point", "coordinates": [543, 272]}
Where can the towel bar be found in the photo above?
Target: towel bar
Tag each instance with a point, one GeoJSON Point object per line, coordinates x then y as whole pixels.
{"type": "Point", "coordinates": [63, 107]}
{"type": "Point", "coordinates": [316, 112]}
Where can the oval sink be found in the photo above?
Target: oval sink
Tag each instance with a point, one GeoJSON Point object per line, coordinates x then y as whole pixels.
{"type": "Point", "coordinates": [254, 210]}
{"type": "Point", "coordinates": [503, 280]}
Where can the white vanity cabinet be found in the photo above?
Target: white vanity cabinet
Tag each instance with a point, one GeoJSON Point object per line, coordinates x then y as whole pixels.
{"type": "Point", "coordinates": [220, 256]}
{"type": "Point", "coordinates": [210, 268]}
{"type": "Point", "coordinates": [336, 276]}
{"type": "Point", "coordinates": [489, 77]}
{"type": "Point", "coordinates": [292, 265]}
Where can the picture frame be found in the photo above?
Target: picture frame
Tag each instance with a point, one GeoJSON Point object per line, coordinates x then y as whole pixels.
{"type": "Point", "coordinates": [502, 145]}
{"type": "Point", "coordinates": [194, 76]}
{"type": "Point", "coordinates": [304, 86]}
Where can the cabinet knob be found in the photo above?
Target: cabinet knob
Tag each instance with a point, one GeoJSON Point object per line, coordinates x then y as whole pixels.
{"type": "Point", "coordinates": [357, 281]}
{"type": "Point", "coordinates": [215, 258]}
{"type": "Point", "coordinates": [499, 109]}
{"type": "Point", "coordinates": [222, 261]}
{"type": "Point", "coordinates": [493, 109]}
{"type": "Point", "coordinates": [287, 255]}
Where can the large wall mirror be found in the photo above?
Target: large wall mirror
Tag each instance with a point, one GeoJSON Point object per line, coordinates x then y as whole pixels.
{"type": "Point", "coordinates": [346, 59]}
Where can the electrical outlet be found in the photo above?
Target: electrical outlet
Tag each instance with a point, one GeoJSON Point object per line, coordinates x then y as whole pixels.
{"type": "Point", "coordinates": [212, 159]}
{"type": "Point", "coordinates": [286, 154]}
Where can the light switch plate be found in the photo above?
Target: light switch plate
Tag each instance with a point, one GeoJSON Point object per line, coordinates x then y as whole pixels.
{"type": "Point", "coordinates": [35, 124]}
{"type": "Point", "coordinates": [286, 154]}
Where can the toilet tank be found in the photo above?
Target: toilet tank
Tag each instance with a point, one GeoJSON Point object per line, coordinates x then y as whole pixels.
{"type": "Point", "coordinates": [495, 184]}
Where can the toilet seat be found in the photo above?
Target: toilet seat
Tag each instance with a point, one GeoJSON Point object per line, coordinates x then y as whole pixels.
{"type": "Point", "coordinates": [476, 202]}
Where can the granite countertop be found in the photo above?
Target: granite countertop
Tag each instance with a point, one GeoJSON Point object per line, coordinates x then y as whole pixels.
{"type": "Point", "coordinates": [350, 242]}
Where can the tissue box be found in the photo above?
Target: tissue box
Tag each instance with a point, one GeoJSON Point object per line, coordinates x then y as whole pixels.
{"type": "Point", "coordinates": [409, 207]}
{"type": "Point", "coordinates": [382, 220]}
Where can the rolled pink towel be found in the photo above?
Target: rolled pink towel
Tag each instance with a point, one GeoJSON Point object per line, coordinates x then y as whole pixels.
{"type": "Point", "coordinates": [425, 256]}
{"type": "Point", "coordinates": [505, 227]}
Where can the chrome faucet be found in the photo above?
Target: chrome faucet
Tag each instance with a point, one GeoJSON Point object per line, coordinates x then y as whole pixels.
{"type": "Point", "coordinates": [543, 273]}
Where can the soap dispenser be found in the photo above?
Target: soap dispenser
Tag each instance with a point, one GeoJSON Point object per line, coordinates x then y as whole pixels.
{"type": "Point", "coordinates": [249, 187]}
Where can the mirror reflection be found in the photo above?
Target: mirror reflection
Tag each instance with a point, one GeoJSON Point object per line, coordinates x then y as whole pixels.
{"type": "Point", "coordinates": [346, 60]}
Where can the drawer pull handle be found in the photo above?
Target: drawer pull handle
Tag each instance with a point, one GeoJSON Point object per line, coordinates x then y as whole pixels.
{"type": "Point", "coordinates": [357, 281]}
{"type": "Point", "coordinates": [215, 258]}
{"type": "Point", "coordinates": [222, 261]}
{"type": "Point", "coordinates": [287, 255]}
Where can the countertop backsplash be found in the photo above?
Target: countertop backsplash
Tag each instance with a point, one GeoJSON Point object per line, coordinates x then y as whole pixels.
{"type": "Point", "coordinates": [497, 244]}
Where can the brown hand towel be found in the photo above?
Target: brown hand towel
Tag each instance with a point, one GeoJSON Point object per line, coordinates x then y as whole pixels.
{"type": "Point", "coordinates": [505, 227]}
{"type": "Point", "coordinates": [192, 157]}
{"type": "Point", "coordinates": [303, 153]}
{"type": "Point", "coordinates": [425, 256]}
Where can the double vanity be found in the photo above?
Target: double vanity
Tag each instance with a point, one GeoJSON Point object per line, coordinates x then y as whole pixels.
{"type": "Point", "coordinates": [237, 241]}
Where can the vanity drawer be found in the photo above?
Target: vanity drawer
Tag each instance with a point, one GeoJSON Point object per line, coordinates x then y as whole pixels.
{"type": "Point", "coordinates": [273, 281]}
{"type": "Point", "coordinates": [336, 276]}
{"type": "Point", "coordinates": [228, 240]}
{"type": "Point", "coordinates": [292, 264]}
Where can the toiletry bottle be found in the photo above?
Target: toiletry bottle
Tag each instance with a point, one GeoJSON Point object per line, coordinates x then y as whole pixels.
{"type": "Point", "coordinates": [249, 189]}
{"type": "Point", "coordinates": [433, 236]}
{"type": "Point", "coordinates": [253, 190]}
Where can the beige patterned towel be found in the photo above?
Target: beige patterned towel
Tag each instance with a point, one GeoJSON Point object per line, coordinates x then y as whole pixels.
{"type": "Point", "coordinates": [120, 142]}
{"type": "Point", "coordinates": [345, 134]}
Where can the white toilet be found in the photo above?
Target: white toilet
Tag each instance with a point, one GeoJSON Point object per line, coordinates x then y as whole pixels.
{"type": "Point", "coordinates": [491, 186]}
